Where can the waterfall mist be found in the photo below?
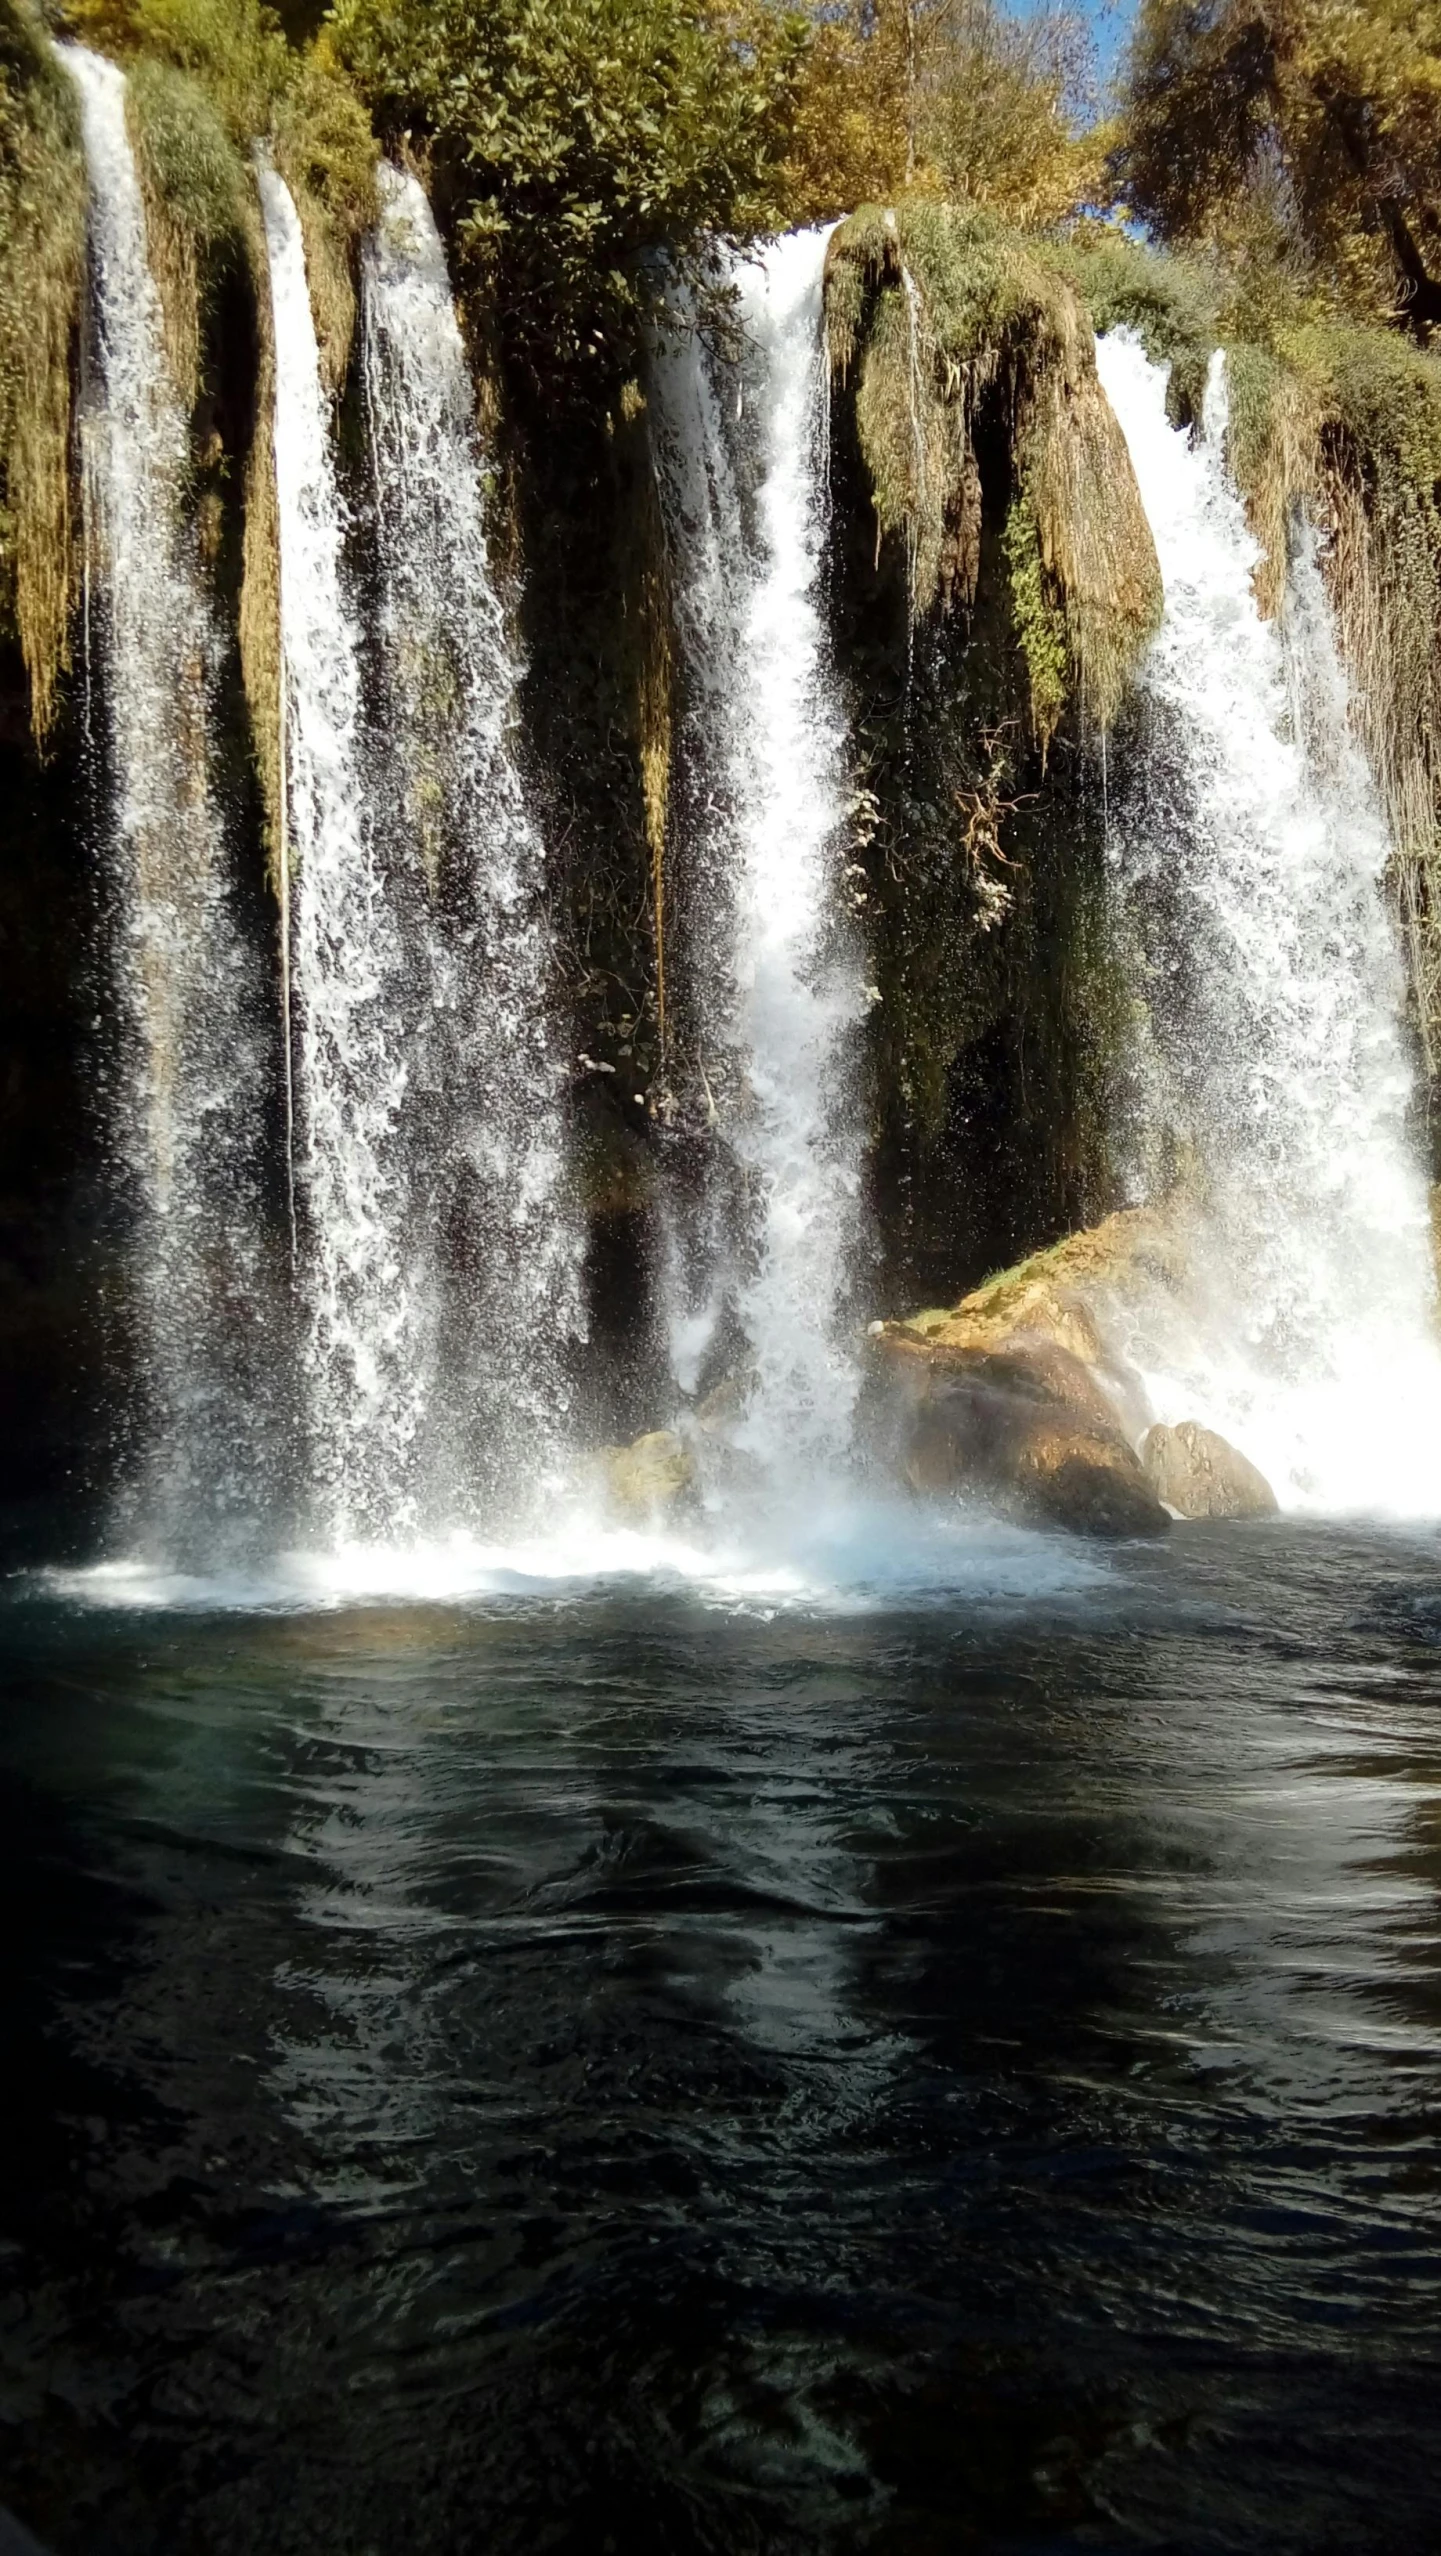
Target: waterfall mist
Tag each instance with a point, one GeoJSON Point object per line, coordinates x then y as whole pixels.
{"type": "Point", "coordinates": [743, 464]}
{"type": "Point", "coordinates": [187, 1094]}
{"type": "Point", "coordinates": [1249, 853]}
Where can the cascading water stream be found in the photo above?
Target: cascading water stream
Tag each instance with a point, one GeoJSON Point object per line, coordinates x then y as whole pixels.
{"type": "Point", "coordinates": [370, 1320]}
{"type": "Point", "coordinates": [483, 1115]}
{"type": "Point", "coordinates": [743, 462]}
{"type": "Point", "coordinates": [189, 1094]}
{"type": "Point", "coordinates": [1249, 856]}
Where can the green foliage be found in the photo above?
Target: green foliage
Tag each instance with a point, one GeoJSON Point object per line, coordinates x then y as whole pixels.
{"type": "Point", "coordinates": [42, 216]}
{"type": "Point", "coordinates": [190, 158]}
{"type": "Point", "coordinates": [1170, 302]}
{"type": "Point", "coordinates": [324, 146]}
{"type": "Point", "coordinates": [1039, 620]}
{"type": "Point", "coordinates": [578, 139]}
{"type": "Point", "coordinates": [1304, 133]}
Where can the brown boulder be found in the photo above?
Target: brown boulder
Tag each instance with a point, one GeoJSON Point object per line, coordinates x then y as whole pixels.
{"type": "Point", "coordinates": [1068, 1296]}
{"type": "Point", "coordinates": [1199, 1474]}
{"type": "Point", "coordinates": [1027, 1428]}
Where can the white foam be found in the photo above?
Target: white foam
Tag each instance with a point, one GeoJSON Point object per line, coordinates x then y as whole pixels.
{"type": "Point", "coordinates": [849, 1555]}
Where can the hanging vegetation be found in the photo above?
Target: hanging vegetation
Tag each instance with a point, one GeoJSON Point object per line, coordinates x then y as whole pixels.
{"type": "Point", "coordinates": [326, 153]}
{"type": "Point", "coordinates": [941, 311]}
{"type": "Point", "coordinates": [42, 236]}
{"type": "Point", "coordinates": [196, 196]}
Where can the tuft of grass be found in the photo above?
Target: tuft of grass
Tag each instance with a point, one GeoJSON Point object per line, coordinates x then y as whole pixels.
{"type": "Point", "coordinates": [42, 247]}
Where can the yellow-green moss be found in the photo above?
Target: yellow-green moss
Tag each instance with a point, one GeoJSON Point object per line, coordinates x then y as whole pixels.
{"type": "Point", "coordinates": [1039, 619]}
{"type": "Point", "coordinates": [196, 189]}
{"type": "Point", "coordinates": [42, 237]}
{"type": "Point", "coordinates": [326, 153]}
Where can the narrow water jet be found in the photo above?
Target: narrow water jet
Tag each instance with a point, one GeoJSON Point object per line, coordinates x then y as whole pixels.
{"type": "Point", "coordinates": [188, 1098]}
{"type": "Point", "coordinates": [1249, 852]}
{"type": "Point", "coordinates": [743, 461]}
{"type": "Point", "coordinates": [483, 1115]}
{"type": "Point", "coordinates": [370, 1319]}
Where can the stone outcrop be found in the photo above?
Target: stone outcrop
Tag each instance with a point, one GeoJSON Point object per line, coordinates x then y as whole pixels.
{"type": "Point", "coordinates": [649, 1477]}
{"type": "Point", "coordinates": [1199, 1474]}
{"type": "Point", "coordinates": [1022, 1395]}
{"type": "Point", "coordinates": [1027, 1429]}
{"type": "Point", "coordinates": [1069, 1297]}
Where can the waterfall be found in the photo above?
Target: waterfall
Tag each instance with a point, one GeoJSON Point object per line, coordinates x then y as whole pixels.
{"type": "Point", "coordinates": [485, 1136]}
{"type": "Point", "coordinates": [742, 451]}
{"type": "Point", "coordinates": [187, 1095]}
{"type": "Point", "coordinates": [1249, 856]}
{"type": "Point", "coordinates": [370, 1320]}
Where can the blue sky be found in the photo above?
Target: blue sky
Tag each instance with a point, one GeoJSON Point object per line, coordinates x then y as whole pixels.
{"type": "Point", "coordinates": [1110, 22]}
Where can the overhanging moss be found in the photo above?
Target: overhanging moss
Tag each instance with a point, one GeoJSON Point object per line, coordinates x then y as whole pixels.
{"type": "Point", "coordinates": [42, 240]}
{"type": "Point", "coordinates": [326, 153]}
{"type": "Point", "coordinates": [197, 189]}
{"type": "Point", "coordinates": [937, 309]}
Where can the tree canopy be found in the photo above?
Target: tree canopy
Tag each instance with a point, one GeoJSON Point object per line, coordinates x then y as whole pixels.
{"type": "Point", "coordinates": [946, 98]}
{"type": "Point", "coordinates": [575, 136]}
{"type": "Point", "coordinates": [1318, 121]}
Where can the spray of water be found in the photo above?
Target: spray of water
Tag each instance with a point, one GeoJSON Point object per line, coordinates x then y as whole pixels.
{"type": "Point", "coordinates": [188, 1094]}
{"type": "Point", "coordinates": [484, 1132]}
{"type": "Point", "coordinates": [744, 487]}
{"type": "Point", "coordinates": [1249, 852]}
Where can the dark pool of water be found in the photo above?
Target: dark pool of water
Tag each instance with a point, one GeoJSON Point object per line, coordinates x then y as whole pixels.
{"type": "Point", "coordinates": [620, 2071]}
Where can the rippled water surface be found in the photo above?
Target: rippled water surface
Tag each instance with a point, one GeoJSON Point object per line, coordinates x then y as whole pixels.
{"type": "Point", "coordinates": [673, 2065]}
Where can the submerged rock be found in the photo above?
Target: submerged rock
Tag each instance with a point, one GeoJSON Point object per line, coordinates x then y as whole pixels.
{"type": "Point", "coordinates": [1028, 1429]}
{"type": "Point", "coordinates": [1199, 1474]}
{"type": "Point", "coordinates": [651, 1475]}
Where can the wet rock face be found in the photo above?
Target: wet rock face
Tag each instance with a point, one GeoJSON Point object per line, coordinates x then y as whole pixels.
{"type": "Point", "coordinates": [1199, 1474]}
{"type": "Point", "coordinates": [1027, 1429]}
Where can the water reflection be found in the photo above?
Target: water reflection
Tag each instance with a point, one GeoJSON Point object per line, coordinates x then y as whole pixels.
{"type": "Point", "coordinates": [932, 2077]}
